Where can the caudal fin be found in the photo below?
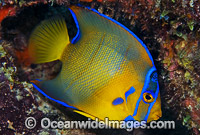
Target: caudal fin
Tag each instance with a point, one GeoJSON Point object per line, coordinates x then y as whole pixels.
{"type": "Point", "coordinates": [47, 41]}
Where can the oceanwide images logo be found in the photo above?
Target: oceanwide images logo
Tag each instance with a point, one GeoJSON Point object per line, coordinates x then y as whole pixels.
{"type": "Point", "coordinates": [46, 123]}
{"type": "Point", "coordinates": [91, 124]}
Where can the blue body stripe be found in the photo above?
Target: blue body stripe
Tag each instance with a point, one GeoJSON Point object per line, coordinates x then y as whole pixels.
{"type": "Point", "coordinates": [155, 77]}
{"type": "Point", "coordinates": [76, 38]}
{"type": "Point", "coordinates": [126, 30]}
{"type": "Point", "coordinates": [147, 80]}
{"type": "Point", "coordinates": [129, 118]}
{"type": "Point", "coordinates": [151, 104]}
{"type": "Point", "coordinates": [60, 102]}
{"type": "Point", "coordinates": [129, 92]}
{"type": "Point", "coordinates": [118, 101]}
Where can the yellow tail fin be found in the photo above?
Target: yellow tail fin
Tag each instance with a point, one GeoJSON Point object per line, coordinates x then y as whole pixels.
{"type": "Point", "coordinates": [48, 40]}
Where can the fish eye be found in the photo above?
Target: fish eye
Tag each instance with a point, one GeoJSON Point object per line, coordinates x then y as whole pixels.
{"type": "Point", "coordinates": [148, 97]}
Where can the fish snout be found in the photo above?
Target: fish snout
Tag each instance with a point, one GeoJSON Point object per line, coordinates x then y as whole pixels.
{"type": "Point", "coordinates": [155, 116]}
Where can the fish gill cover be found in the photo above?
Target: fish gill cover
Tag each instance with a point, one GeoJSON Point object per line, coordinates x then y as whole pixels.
{"type": "Point", "coordinates": [170, 29]}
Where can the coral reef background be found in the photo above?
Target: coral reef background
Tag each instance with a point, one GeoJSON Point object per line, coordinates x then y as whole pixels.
{"type": "Point", "coordinates": [169, 28]}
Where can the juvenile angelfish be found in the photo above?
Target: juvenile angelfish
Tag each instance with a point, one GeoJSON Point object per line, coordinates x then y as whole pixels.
{"type": "Point", "coordinates": [107, 71]}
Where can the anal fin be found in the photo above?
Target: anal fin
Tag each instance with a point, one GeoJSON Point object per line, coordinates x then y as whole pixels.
{"type": "Point", "coordinates": [52, 90]}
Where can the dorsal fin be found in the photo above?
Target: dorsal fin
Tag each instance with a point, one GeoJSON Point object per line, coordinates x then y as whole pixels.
{"type": "Point", "coordinates": [90, 20]}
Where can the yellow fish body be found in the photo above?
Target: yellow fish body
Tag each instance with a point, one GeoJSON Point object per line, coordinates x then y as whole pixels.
{"type": "Point", "coordinates": [106, 70]}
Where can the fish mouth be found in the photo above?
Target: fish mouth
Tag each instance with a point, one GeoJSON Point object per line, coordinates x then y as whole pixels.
{"type": "Point", "coordinates": [154, 118]}
{"type": "Point", "coordinates": [157, 117]}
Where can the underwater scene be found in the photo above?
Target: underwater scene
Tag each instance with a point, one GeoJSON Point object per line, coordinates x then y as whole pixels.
{"type": "Point", "coordinates": [99, 67]}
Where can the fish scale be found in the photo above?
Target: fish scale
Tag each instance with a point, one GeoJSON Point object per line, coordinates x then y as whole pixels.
{"type": "Point", "coordinates": [106, 60]}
